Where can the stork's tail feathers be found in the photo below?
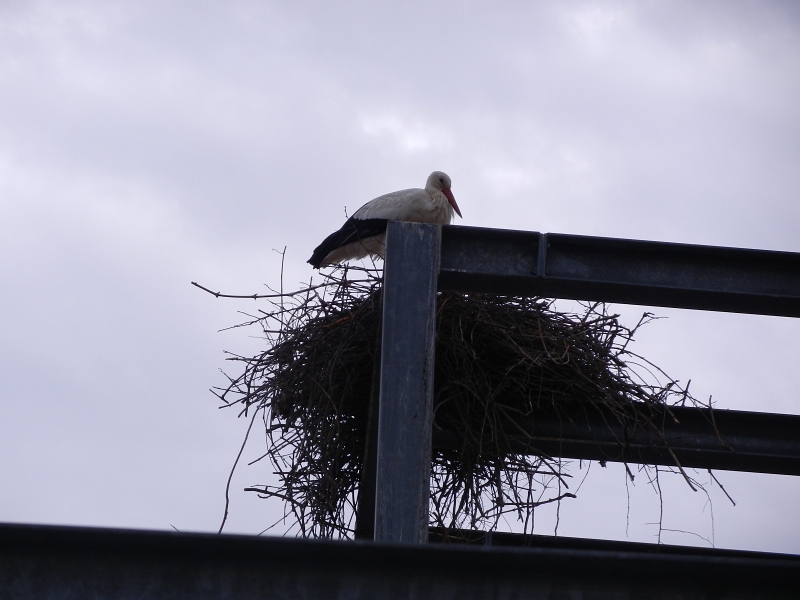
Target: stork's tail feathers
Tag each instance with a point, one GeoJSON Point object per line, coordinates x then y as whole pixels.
{"type": "Point", "coordinates": [352, 231]}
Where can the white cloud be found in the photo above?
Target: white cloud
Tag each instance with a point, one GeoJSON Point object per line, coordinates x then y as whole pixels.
{"type": "Point", "coordinates": [408, 135]}
{"type": "Point", "coordinates": [596, 25]}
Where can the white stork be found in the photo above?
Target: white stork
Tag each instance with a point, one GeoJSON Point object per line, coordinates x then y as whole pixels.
{"type": "Point", "coordinates": [365, 232]}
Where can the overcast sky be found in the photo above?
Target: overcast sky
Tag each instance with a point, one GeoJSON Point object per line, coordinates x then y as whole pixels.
{"type": "Point", "coordinates": [144, 145]}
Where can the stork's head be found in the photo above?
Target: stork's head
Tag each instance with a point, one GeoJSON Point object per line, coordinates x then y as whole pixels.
{"type": "Point", "coordinates": [441, 182]}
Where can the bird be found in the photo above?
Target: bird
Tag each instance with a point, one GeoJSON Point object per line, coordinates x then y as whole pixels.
{"type": "Point", "coordinates": [365, 232]}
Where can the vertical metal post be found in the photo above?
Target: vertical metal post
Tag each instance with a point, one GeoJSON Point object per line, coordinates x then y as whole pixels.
{"type": "Point", "coordinates": [405, 415]}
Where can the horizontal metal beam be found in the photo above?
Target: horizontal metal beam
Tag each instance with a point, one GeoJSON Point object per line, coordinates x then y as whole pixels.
{"type": "Point", "coordinates": [66, 562]}
{"type": "Point", "coordinates": [507, 539]}
{"type": "Point", "coordinates": [699, 438]}
{"type": "Point", "coordinates": [616, 270]}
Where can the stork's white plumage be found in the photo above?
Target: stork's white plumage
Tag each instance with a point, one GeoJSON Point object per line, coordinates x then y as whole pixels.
{"type": "Point", "coordinates": [365, 232]}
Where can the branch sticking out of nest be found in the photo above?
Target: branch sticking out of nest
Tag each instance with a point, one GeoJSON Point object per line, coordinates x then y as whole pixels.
{"type": "Point", "coordinates": [500, 361]}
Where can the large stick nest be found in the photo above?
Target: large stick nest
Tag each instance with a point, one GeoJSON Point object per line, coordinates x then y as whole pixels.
{"type": "Point", "coordinates": [500, 360]}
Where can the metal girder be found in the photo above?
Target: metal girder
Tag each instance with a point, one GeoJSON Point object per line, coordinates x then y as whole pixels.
{"type": "Point", "coordinates": [581, 268]}
{"type": "Point", "coordinates": [652, 274]}
{"type": "Point", "coordinates": [616, 270]}
{"type": "Point", "coordinates": [406, 388]}
{"type": "Point", "coordinates": [507, 539]}
{"type": "Point", "coordinates": [696, 437]}
{"type": "Point", "coordinates": [77, 563]}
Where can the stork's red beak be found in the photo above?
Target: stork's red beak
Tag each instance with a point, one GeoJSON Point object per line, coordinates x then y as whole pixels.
{"type": "Point", "coordinates": [449, 195]}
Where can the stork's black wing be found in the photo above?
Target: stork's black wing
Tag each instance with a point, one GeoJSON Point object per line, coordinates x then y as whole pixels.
{"type": "Point", "coordinates": [352, 231]}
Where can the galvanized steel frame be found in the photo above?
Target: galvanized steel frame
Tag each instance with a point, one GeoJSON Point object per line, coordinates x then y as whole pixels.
{"type": "Point", "coordinates": [75, 563]}
{"type": "Point", "coordinates": [580, 268]}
